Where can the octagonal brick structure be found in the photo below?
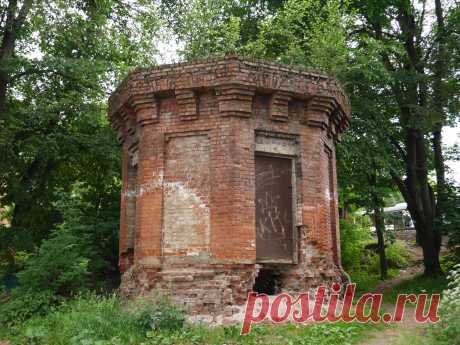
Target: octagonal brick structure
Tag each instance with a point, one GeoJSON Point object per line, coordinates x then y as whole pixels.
{"type": "Point", "coordinates": [228, 181]}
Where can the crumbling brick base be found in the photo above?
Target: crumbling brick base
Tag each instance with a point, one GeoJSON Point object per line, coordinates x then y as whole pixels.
{"type": "Point", "coordinates": [216, 294]}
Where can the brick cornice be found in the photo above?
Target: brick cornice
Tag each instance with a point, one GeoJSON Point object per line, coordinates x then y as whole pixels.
{"type": "Point", "coordinates": [235, 80]}
{"type": "Point", "coordinates": [187, 103]}
{"type": "Point", "coordinates": [279, 106]}
{"type": "Point", "coordinates": [145, 107]}
{"type": "Point", "coordinates": [235, 100]}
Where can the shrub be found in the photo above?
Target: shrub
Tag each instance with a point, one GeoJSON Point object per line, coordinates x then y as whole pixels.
{"type": "Point", "coordinates": [397, 255]}
{"type": "Point", "coordinates": [16, 310]}
{"type": "Point", "coordinates": [159, 314]}
{"type": "Point", "coordinates": [352, 240]}
{"type": "Point", "coordinates": [57, 270]}
{"type": "Point", "coordinates": [102, 320]}
{"type": "Point", "coordinates": [447, 330]}
{"type": "Point", "coordinates": [79, 255]}
{"type": "Point", "coordinates": [363, 265]}
{"type": "Point", "coordinates": [59, 266]}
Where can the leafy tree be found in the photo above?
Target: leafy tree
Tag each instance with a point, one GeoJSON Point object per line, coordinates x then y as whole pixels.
{"type": "Point", "coordinates": [389, 54]}
{"type": "Point", "coordinates": [363, 176]}
{"type": "Point", "coordinates": [422, 83]}
{"type": "Point", "coordinates": [216, 27]}
{"type": "Point", "coordinates": [63, 58]}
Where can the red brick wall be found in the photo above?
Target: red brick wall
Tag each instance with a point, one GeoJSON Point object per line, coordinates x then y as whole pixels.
{"type": "Point", "coordinates": [186, 189]}
{"type": "Point", "coordinates": [194, 129]}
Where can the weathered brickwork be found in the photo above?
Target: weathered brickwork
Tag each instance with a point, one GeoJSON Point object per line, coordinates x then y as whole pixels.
{"type": "Point", "coordinates": [190, 134]}
{"type": "Point", "coordinates": [186, 190]}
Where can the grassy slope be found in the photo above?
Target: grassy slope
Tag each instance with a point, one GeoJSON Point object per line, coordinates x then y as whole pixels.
{"type": "Point", "coordinates": [417, 285]}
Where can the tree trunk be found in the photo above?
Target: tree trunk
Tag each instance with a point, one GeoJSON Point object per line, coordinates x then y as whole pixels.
{"type": "Point", "coordinates": [438, 160]}
{"type": "Point", "coordinates": [411, 92]}
{"type": "Point", "coordinates": [431, 253]}
{"type": "Point", "coordinates": [13, 25]}
{"type": "Point", "coordinates": [379, 223]}
{"type": "Point", "coordinates": [421, 201]}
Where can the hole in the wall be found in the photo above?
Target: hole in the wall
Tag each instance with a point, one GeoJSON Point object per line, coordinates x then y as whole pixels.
{"type": "Point", "coordinates": [268, 282]}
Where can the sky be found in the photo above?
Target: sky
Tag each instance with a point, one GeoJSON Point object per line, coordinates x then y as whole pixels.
{"type": "Point", "coordinates": [451, 136]}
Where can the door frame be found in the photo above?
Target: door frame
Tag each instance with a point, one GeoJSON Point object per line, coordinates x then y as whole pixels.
{"type": "Point", "coordinates": [295, 243]}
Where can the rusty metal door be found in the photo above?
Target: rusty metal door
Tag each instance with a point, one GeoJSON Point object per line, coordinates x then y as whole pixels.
{"type": "Point", "coordinates": [274, 211]}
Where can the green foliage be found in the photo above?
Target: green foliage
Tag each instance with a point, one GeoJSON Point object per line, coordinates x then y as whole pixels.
{"type": "Point", "coordinates": [217, 27]}
{"type": "Point", "coordinates": [308, 32]}
{"type": "Point", "coordinates": [81, 250]}
{"type": "Point", "coordinates": [83, 246]}
{"type": "Point", "coordinates": [447, 331]}
{"type": "Point", "coordinates": [362, 264]}
{"type": "Point", "coordinates": [352, 240]}
{"type": "Point", "coordinates": [54, 133]}
{"type": "Point", "coordinates": [159, 315]}
{"type": "Point", "coordinates": [84, 320]}
{"type": "Point", "coordinates": [26, 305]}
{"type": "Point", "coordinates": [451, 224]}
{"type": "Point", "coordinates": [58, 266]}
{"type": "Point", "coordinates": [398, 259]}
{"type": "Point", "coordinates": [208, 29]}
{"type": "Point", "coordinates": [294, 33]}
{"type": "Point", "coordinates": [396, 255]}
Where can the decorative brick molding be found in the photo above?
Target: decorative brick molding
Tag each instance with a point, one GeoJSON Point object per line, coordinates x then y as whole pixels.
{"type": "Point", "coordinates": [235, 100]}
{"type": "Point", "coordinates": [145, 107]}
{"type": "Point", "coordinates": [279, 106]}
{"type": "Point", "coordinates": [194, 136]}
{"type": "Point", "coordinates": [187, 104]}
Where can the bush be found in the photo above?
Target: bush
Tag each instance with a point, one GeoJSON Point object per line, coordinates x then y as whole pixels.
{"type": "Point", "coordinates": [56, 271]}
{"type": "Point", "coordinates": [80, 255]}
{"type": "Point", "coordinates": [16, 310]}
{"type": "Point", "coordinates": [451, 221]}
{"type": "Point", "coordinates": [159, 314]}
{"type": "Point", "coordinates": [447, 330]}
{"type": "Point", "coordinates": [103, 320]}
{"type": "Point", "coordinates": [363, 265]}
{"type": "Point", "coordinates": [397, 255]}
{"type": "Point", "coordinates": [59, 266]}
{"type": "Point", "coordinates": [352, 240]}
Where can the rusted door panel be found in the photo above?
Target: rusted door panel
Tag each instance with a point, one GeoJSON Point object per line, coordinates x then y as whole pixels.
{"type": "Point", "coordinates": [274, 216]}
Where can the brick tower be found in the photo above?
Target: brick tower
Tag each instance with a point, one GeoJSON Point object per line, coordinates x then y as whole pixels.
{"type": "Point", "coordinates": [229, 180]}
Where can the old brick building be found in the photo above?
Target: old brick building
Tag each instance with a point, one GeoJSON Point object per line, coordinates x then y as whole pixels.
{"type": "Point", "coordinates": [229, 180]}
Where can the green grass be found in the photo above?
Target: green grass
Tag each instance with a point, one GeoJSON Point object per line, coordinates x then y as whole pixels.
{"type": "Point", "coordinates": [412, 338]}
{"type": "Point", "coordinates": [323, 333]}
{"type": "Point", "coordinates": [106, 321]}
{"type": "Point", "coordinates": [366, 281]}
{"type": "Point", "coordinates": [417, 285]}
